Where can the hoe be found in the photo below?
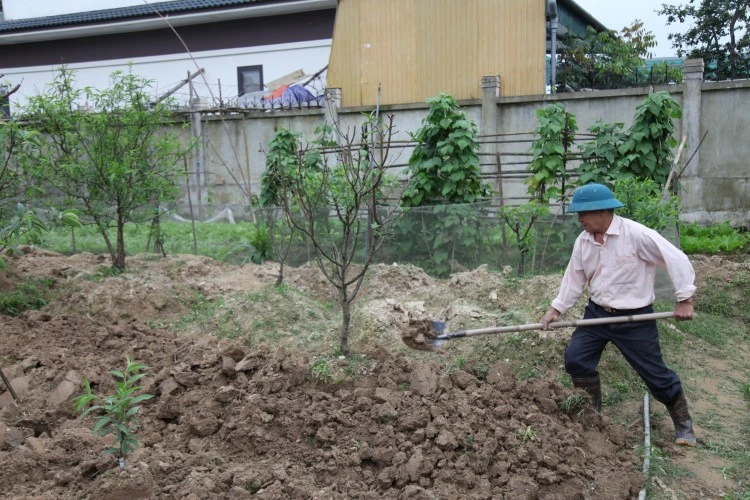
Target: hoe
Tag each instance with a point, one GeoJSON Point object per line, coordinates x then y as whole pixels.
{"type": "Point", "coordinates": [428, 335]}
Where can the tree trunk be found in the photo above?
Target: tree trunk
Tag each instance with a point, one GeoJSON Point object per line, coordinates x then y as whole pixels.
{"type": "Point", "coordinates": [119, 261]}
{"type": "Point", "coordinates": [346, 318]}
{"type": "Point", "coordinates": [280, 278]}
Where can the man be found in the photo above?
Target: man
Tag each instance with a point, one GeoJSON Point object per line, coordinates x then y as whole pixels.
{"type": "Point", "coordinates": [617, 258]}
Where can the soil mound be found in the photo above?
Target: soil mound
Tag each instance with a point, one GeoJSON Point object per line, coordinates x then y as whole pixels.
{"type": "Point", "coordinates": [232, 421]}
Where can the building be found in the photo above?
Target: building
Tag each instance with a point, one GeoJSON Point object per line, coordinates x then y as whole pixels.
{"type": "Point", "coordinates": [241, 46]}
{"type": "Point", "coordinates": [415, 49]}
{"type": "Point", "coordinates": [412, 49]}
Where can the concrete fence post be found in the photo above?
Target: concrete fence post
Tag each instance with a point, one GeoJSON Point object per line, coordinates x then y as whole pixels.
{"type": "Point", "coordinates": [332, 105]}
{"type": "Point", "coordinates": [691, 194]}
{"type": "Point", "coordinates": [490, 93]}
{"type": "Point", "coordinates": [488, 127]}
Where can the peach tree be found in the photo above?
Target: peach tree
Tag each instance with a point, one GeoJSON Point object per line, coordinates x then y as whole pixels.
{"type": "Point", "coordinates": [105, 152]}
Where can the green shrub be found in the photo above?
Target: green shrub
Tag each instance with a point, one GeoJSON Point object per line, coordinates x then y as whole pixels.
{"type": "Point", "coordinates": [712, 239]}
{"type": "Point", "coordinates": [643, 203]}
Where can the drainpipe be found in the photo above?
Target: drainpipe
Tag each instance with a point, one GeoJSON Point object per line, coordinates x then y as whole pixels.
{"type": "Point", "coordinates": [553, 24]}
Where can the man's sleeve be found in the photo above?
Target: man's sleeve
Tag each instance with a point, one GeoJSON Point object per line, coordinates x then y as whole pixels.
{"type": "Point", "coordinates": [573, 281]}
{"type": "Point", "coordinates": [656, 249]}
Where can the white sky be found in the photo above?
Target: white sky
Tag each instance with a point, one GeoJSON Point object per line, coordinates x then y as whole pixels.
{"type": "Point", "coordinates": [616, 14]}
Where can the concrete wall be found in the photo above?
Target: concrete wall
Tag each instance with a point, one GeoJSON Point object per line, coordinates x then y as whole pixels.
{"type": "Point", "coordinates": [715, 186]}
{"type": "Point", "coordinates": [724, 172]}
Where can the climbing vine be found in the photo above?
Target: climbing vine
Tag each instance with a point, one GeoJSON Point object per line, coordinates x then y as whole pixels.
{"type": "Point", "coordinates": [444, 167]}
{"type": "Point", "coordinates": [553, 139]}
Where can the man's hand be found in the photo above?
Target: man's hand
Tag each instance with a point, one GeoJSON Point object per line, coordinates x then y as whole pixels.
{"type": "Point", "coordinates": [549, 317]}
{"type": "Point", "coordinates": [684, 310]}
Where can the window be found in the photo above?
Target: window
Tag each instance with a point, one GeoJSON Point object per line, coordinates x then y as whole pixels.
{"type": "Point", "coordinates": [249, 79]}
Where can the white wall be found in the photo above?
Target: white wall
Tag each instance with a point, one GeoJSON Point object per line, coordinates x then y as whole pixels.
{"type": "Point", "coordinates": [22, 9]}
{"type": "Point", "coordinates": [166, 71]}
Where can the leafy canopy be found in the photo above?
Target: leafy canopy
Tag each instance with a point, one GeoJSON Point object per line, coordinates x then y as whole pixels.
{"type": "Point", "coordinates": [644, 151]}
{"type": "Point", "coordinates": [553, 138]}
{"type": "Point", "coordinates": [717, 32]}
{"type": "Point", "coordinates": [444, 166]}
{"type": "Point", "coordinates": [607, 59]}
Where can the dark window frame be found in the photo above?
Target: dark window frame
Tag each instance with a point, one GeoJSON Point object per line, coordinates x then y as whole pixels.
{"type": "Point", "coordinates": [240, 77]}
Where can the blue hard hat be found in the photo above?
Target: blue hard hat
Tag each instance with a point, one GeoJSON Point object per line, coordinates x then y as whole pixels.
{"type": "Point", "coordinates": [593, 197]}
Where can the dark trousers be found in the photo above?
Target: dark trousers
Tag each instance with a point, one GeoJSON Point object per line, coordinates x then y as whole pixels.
{"type": "Point", "coordinates": [638, 342]}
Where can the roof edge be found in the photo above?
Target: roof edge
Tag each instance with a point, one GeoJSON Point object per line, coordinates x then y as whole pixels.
{"type": "Point", "coordinates": [584, 14]}
{"type": "Point", "coordinates": [124, 25]}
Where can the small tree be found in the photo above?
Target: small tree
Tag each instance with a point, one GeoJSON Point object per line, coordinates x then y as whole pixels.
{"type": "Point", "coordinates": [338, 208]}
{"type": "Point", "coordinates": [646, 151]}
{"type": "Point", "coordinates": [521, 220]}
{"type": "Point", "coordinates": [644, 203]}
{"type": "Point", "coordinates": [643, 152]}
{"type": "Point", "coordinates": [113, 163]}
{"type": "Point", "coordinates": [118, 411]}
{"type": "Point", "coordinates": [604, 60]}
{"type": "Point", "coordinates": [9, 186]}
{"type": "Point", "coordinates": [277, 180]}
{"type": "Point", "coordinates": [600, 158]}
{"type": "Point", "coordinates": [18, 223]}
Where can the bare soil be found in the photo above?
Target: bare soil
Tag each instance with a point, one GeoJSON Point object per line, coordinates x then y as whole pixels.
{"type": "Point", "coordinates": [232, 420]}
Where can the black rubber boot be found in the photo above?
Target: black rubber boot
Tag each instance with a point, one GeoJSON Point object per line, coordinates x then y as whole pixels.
{"type": "Point", "coordinates": [593, 388]}
{"type": "Point", "coordinates": [683, 423]}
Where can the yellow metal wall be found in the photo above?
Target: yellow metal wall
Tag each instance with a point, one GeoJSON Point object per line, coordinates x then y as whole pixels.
{"type": "Point", "coordinates": [419, 48]}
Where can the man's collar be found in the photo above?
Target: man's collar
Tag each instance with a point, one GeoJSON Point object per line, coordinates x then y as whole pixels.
{"type": "Point", "coordinates": [614, 226]}
{"type": "Point", "coordinates": [612, 230]}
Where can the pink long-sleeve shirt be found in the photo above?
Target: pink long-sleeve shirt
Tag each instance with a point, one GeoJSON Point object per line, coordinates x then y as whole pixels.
{"type": "Point", "coordinates": [621, 271]}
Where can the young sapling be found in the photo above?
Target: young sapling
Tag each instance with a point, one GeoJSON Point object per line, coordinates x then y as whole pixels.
{"type": "Point", "coordinates": [117, 411]}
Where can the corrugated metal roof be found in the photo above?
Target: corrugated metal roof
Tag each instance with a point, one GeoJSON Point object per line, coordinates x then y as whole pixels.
{"type": "Point", "coordinates": [145, 10]}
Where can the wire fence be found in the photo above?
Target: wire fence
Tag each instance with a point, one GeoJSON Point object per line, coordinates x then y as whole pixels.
{"type": "Point", "coordinates": [440, 239]}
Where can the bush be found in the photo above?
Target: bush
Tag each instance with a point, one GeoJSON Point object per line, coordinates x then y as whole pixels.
{"type": "Point", "coordinates": [643, 203]}
{"type": "Point", "coordinates": [713, 239]}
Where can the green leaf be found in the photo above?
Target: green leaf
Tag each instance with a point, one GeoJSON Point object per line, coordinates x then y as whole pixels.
{"type": "Point", "coordinates": [142, 397]}
{"type": "Point", "coordinates": [101, 423]}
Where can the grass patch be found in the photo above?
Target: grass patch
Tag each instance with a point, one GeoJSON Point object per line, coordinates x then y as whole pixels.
{"type": "Point", "coordinates": [33, 293]}
{"type": "Point", "coordinates": [662, 467]}
{"type": "Point", "coordinates": [738, 456]}
{"type": "Point", "coordinates": [221, 241]}
{"type": "Point", "coordinates": [209, 315]}
{"type": "Point", "coordinates": [274, 315]}
{"type": "Point", "coordinates": [714, 329]}
{"type": "Point", "coordinates": [282, 315]}
{"type": "Point", "coordinates": [574, 403]}
{"type": "Point", "coordinates": [104, 272]}
{"type": "Point", "coordinates": [320, 370]}
{"type": "Point", "coordinates": [710, 421]}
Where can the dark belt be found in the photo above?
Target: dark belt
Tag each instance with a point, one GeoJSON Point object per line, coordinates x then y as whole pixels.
{"type": "Point", "coordinates": [612, 310]}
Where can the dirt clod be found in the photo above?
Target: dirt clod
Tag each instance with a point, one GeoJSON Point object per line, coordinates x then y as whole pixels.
{"type": "Point", "coordinates": [419, 334]}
